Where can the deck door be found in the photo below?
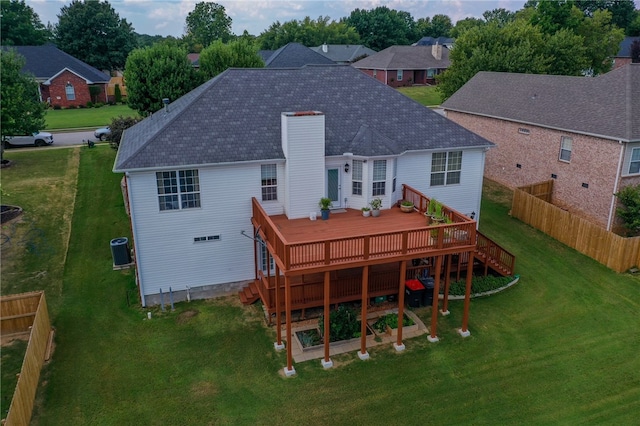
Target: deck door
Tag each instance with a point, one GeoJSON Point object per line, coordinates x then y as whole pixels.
{"type": "Point", "coordinates": [333, 186]}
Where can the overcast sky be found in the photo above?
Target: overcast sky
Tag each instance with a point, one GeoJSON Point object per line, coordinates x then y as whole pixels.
{"type": "Point", "coordinates": [167, 17]}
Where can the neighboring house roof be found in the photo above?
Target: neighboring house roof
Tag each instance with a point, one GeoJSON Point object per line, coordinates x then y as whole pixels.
{"type": "Point", "coordinates": [625, 47]}
{"type": "Point", "coordinates": [343, 53]}
{"type": "Point", "coordinates": [236, 117]}
{"type": "Point", "coordinates": [405, 58]}
{"type": "Point", "coordinates": [430, 41]}
{"type": "Point", "coordinates": [295, 55]}
{"type": "Point", "coordinates": [265, 54]}
{"type": "Point", "coordinates": [606, 106]}
{"type": "Point", "coordinates": [194, 58]}
{"type": "Point", "coordinates": [47, 61]}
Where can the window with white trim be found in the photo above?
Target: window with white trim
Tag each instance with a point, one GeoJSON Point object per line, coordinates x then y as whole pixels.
{"type": "Point", "coordinates": [379, 177]}
{"type": "Point", "coordinates": [178, 189]}
{"type": "Point", "coordinates": [375, 73]}
{"type": "Point", "coordinates": [264, 255]}
{"type": "Point", "coordinates": [634, 163]}
{"type": "Point", "coordinates": [70, 92]}
{"type": "Point", "coordinates": [446, 168]}
{"type": "Point", "coordinates": [400, 72]}
{"type": "Point", "coordinates": [269, 176]}
{"type": "Point", "coordinates": [565, 149]}
{"type": "Point", "coordinates": [356, 177]}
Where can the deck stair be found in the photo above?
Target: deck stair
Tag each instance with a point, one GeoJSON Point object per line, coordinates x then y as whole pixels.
{"type": "Point", "coordinates": [249, 294]}
{"type": "Point", "coordinates": [492, 256]}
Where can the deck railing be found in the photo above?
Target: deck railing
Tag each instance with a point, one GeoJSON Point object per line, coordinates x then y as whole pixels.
{"type": "Point", "coordinates": [495, 254]}
{"type": "Point", "coordinates": [419, 241]}
{"type": "Point", "coordinates": [421, 202]}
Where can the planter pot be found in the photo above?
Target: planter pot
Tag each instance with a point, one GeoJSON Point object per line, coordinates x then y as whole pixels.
{"type": "Point", "coordinates": [366, 213]}
{"type": "Point", "coordinates": [406, 209]}
{"type": "Point", "coordinates": [325, 214]}
{"type": "Point", "coordinates": [375, 212]}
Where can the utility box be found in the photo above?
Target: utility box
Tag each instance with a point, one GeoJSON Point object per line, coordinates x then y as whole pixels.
{"type": "Point", "coordinates": [120, 251]}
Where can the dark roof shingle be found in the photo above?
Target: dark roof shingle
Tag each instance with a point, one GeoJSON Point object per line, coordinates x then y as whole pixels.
{"type": "Point", "coordinates": [405, 57]}
{"type": "Point", "coordinates": [294, 55]}
{"type": "Point", "coordinates": [605, 106]}
{"type": "Point", "coordinates": [235, 117]}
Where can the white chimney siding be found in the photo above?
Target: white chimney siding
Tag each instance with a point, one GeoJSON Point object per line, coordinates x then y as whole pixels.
{"type": "Point", "coordinates": [303, 138]}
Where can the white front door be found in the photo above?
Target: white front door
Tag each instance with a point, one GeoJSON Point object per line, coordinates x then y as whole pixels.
{"type": "Point", "coordinates": [333, 186]}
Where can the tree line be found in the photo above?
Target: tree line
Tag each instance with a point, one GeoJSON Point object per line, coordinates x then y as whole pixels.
{"type": "Point", "coordinates": [569, 37]}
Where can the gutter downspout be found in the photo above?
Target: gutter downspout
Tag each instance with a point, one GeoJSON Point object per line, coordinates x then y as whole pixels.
{"type": "Point", "coordinates": [135, 244]}
{"type": "Point", "coordinates": [615, 187]}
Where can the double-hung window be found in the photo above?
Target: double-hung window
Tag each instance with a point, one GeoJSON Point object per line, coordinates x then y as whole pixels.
{"type": "Point", "coordinates": [379, 177]}
{"type": "Point", "coordinates": [634, 164]}
{"type": "Point", "coordinates": [70, 92]}
{"type": "Point", "coordinates": [565, 149]}
{"type": "Point", "coordinates": [269, 176]}
{"type": "Point", "coordinates": [400, 75]}
{"type": "Point", "coordinates": [356, 177]}
{"type": "Point", "coordinates": [446, 168]}
{"type": "Point", "coordinates": [178, 189]}
{"type": "Point", "coordinates": [395, 175]}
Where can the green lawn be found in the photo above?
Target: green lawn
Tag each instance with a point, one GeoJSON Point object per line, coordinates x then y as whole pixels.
{"type": "Point", "coordinates": [426, 95]}
{"type": "Point", "coordinates": [57, 119]}
{"type": "Point", "coordinates": [558, 348]}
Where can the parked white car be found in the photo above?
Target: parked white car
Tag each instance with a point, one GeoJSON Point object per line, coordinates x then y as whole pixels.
{"type": "Point", "coordinates": [102, 133]}
{"type": "Point", "coordinates": [35, 139]}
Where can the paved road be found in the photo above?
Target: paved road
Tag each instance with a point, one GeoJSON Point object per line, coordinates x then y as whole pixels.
{"type": "Point", "coordinates": [62, 139]}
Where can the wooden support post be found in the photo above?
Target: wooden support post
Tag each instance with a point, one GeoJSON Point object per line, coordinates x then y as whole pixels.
{"type": "Point", "coordinates": [402, 278]}
{"type": "Point", "coordinates": [434, 306]}
{"type": "Point", "coordinates": [287, 301]}
{"type": "Point", "coordinates": [464, 331]}
{"type": "Point", "coordinates": [447, 283]}
{"type": "Point", "coordinates": [327, 306]}
{"type": "Point", "coordinates": [279, 344]}
{"type": "Point", "coordinates": [363, 316]}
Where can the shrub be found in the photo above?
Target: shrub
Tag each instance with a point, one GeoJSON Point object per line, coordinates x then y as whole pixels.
{"type": "Point", "coordinates": [479, 284]}
{"type": "Point", "coordinates": [57, 106]}
{"type": "Point", "coordinates": [629, 212]}
{"type": "Point", "coordinates": [89, 104]}
{"type": "Point", "coordinates": [343, 324]}
{"type": "Point", "coordinates": [117, 94]}
{"type": "Point", "coordinates": [118, 125]}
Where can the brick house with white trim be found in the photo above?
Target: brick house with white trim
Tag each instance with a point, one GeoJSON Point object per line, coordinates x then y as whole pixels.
{"type": "Point", "coordinates": [583, 132]}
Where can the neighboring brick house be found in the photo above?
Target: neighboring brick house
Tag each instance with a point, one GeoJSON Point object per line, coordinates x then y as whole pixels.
{"type": "Point", "coordinates": [399, 66]}
{"type": "Point", "coordinates": [623, 57]}
{"type": "Point", "coordinates": [344, 53]}
{"type": "Point", "coordinates": [583, 132]}
{"type": "Point", "coordinates": [64, 80]}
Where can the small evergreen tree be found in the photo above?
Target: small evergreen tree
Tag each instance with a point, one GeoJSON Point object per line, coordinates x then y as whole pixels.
{"type": "Point", "coordinates": [629, 212]}
{"type": "Point", "coordinates": [118, 94]}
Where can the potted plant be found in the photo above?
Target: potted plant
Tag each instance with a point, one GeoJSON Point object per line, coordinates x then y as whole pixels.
{"type": "Point", "coordinates": [366, 211]}
{"type": "Point", "coordinates": [406, 206]}
{"type": "Point", "coordinates": [375, 204]}
{"type": "Point", "coordinates": [325, 204]}
{"type": "Point", "coordinates": [435, 211]}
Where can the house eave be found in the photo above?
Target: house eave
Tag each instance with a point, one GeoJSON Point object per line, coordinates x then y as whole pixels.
{"type": "Point", "coordinates": [545, 126]}
{"type": "Point", "coordinates": [195, 166]}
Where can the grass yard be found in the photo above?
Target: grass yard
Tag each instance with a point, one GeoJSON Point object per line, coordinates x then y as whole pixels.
{"type": "Point", "coordinates": [426, 95]}
{"type": "Point", "coordinates": [57, 119]}
{"type": "Point", "coordinates": [558, 348]}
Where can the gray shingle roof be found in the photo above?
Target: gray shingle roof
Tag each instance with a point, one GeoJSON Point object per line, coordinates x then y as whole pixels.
{"type": "Point", "coordinates": [430, 41]}
{"type": "Point", "coordinates": [46, 61]}
{"type": "Point", "coordinates": [235, 117]}
{"type": "Point", "coordinates": [295, 55]}
{"type": "Point", "coordinates": [607, 106]}
{"type": "Point", "coordinates": [625, 47]}
{"type": "Point", "coordinates": [343, 53]}
{"type": "Point", "coordinates": [404, 57]}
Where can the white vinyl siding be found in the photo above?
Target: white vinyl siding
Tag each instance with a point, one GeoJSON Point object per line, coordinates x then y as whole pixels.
{"type": "Point", "coordinates": [166, 253]}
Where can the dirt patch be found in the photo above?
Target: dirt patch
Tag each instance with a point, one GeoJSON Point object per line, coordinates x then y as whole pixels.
{"type": "Point", "coordinates": [9, 340]}
{"type": "Point", "coordinates": [185, 317]}
{"type": "Point", "coordinates": [206, 389]}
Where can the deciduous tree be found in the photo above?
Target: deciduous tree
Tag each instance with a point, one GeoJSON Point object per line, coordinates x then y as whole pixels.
{"type": "Point", "coordinates": [382, 27]}
{"type": "Point", "coordinates": [308, 32]}
{"type": "Point", "coordinates": [22, 110]}
{"type": "Point", "coordinates": [21, 26]}
{"type": "Point", "coordinates": [93, 32]}
{"type": "Point", "coordinates": [629, 210]}
{"type": "Point", "coordinates": [157, 72]}
{"type": "Point", "coordinates": [219, 56]}
{"type": "Point", "coordinates": [207, 23]}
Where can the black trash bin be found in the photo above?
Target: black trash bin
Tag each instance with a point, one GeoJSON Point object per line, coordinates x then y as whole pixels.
{"type": "Point", "coordinates": [414, 292]}
{"type": "Point", "coordinates": [429, 284]}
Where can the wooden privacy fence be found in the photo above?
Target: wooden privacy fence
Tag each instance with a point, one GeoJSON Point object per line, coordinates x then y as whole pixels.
{"type": "Point", "coordinates": [541, 190]}
{"type": "Point", "coordinates": [616, 252]}
{"type": "Point", "coordinates": [19, 313]}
